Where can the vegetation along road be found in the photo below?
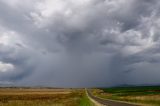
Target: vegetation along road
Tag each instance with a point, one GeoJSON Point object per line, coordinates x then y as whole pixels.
{"type": "Point", "coordinates": [106, 102]}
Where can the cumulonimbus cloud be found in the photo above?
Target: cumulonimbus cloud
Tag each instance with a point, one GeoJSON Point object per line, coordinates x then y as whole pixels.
{"type": "Point", "coordinates": [80, 43]}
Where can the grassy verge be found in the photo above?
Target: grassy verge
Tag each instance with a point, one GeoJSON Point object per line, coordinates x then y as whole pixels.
{"type": "Point", "coordinates": [147, 96]}
{"type": "Point", "coordinates": [85, 101]}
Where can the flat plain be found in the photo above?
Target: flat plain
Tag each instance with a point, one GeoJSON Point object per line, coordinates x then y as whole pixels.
{"type": "Point", "coordinates": [43, 97]}
{"type": "Point", "coordinates": [145, 96]}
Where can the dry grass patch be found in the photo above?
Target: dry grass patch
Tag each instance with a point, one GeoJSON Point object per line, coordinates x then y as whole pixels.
{"type": "Point", "coordinates": [40, 97]}
{"type": "Point", "coordinates": [146, 96]}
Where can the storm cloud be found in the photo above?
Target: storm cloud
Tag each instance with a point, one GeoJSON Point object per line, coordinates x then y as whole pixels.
{"type": "Point", "coordinates": [79, 43]}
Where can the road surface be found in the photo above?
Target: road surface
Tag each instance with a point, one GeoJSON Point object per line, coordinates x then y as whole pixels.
{"type": "Point", "coordinates": [109, 102]}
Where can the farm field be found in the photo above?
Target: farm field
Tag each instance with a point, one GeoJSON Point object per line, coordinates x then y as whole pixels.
{"type": "Point", "coordinates": [43, 97]}
{"type": "Point", "coordinates": [145, 96]}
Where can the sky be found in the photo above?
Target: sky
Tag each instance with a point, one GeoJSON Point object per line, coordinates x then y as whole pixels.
{"type": "Point", "coordinates": [79, 43]}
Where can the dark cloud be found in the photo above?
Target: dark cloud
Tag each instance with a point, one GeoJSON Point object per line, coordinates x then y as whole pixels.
{"type": "Point", "coordinates": [80, 43]}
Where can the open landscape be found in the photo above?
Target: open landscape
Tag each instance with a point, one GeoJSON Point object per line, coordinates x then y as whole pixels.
{"type": "Point", "coordinates": [79, 52]}
{"type": "Point", "coordinates": [145, 96]}
{"type": "Point", "coordinates": [43, 97]}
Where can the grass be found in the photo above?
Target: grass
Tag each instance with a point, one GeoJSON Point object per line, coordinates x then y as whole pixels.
{"type": "Point", "coordinates": [85, 101]}
{"type": "Point", "coordinates": [146, 96]}
{"type": "Point", "coordinates": [43, 97]}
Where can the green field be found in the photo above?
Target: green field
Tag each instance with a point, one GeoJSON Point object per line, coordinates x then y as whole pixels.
{"type": "Point", "coordinates": [146, 96]}
{"type": "Point", "coordinates": [43, 97]}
